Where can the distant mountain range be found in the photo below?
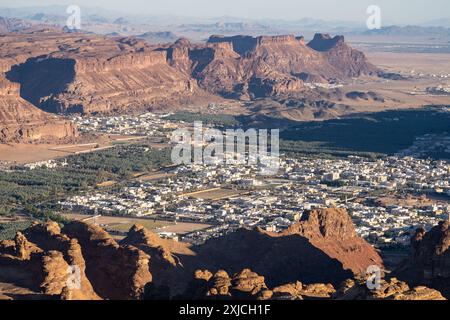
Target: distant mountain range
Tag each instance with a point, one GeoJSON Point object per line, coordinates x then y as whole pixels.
{"type": "Point", "coordinates": [409, 31]}
{"type": "Point", "coordinates": [96, 19]}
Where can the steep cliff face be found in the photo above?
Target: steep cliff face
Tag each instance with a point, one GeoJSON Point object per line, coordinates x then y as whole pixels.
{"type": "Point", "coordinates": [332, 231]}
{"type": "Point", "coordinates": [20, 121]}
{"type": "Point", "coordinates": [87, 74]}
{"type": "Point", "coordinates": [116, 272]}
{"type": "Point", "coordinates": [429, 262]}
{"type": "Point", "coordinates": [297, 264]}
{"type": "Point", "coordinates": [348, 61]}
{"type": "Point", "coordinates": [70, 72]}
{"type": "Point", "coordinates": [51, 263]}
{"type": "Point", "coordinates": [323, 237]}
{"type": "Point", "coordinates": [248, 285]}
{"type": "Point", "coordinates": [260, 67]}
{"type": "Point", "coordinates": [275, 65]}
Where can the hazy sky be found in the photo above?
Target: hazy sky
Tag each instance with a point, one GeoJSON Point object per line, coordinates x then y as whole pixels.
{"type": "Point", "coordinates": [397, 11]}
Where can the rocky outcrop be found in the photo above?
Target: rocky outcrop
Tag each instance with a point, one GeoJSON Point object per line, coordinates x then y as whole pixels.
{"type": "Point", "coordinates": [393, 289]}
{"type": "Point", "coordinates": [52, 264]}
{"type": "Point", "coordinates": [278, 65]}
{"type": "Point", "coordinates": [73, 72]}
{"type": "Point", "coordinates": [20, 121]}
{"type": "Point", "coordinates": [82, 261]}
{"type": "Point", "coordinates": [165, 267]}
{"type": "Point", "coordinates": [116, 272]}
{"type": "Point", "coordinates": [323, 237]}
{"type": "Point", "coordinates": [333, 232]}
{"type": "Point", "coordinates": [248, 285]}
{"type": "Point", "coordinates": [244, 285]}
{"type": "Point", "coordinates": [348, 61]}
{"type": "Point", "coordinates": [429, 261]}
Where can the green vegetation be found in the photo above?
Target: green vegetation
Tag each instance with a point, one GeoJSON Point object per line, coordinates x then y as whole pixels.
{"type": "Point", "coordinates": [34, 191]}
{"type": "Point", "coordinates": [8, 230]}
{"type": "Point", "coordinates": [320, 149]}
{"type": "Point", "coordinates": [121, 162]}
{"type": "Point", "coordinates": [365, 134]}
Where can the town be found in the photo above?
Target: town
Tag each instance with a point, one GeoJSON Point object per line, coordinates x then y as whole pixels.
{"type": "Point", "coordinates": [387, 198]}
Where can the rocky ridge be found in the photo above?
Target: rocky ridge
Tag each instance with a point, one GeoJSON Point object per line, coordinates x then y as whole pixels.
{"type": "Point", "coordinates": [74, 72]}
{"type": "Point", "coordinates": [82, 261]}
{"type": "Point", "coordinates": [429, 261]}
{"type": "Point", "coordinates": [248, 285]}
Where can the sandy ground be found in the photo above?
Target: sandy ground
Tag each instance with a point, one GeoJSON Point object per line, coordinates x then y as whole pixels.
{"type": "Point", "coordinates": [402, 94]}
{"type": "Point", "coordinates": [22, 153]}
{"type": "Point", "coordinates": [214, 194]}
{"type": "Point", "coordinates": [120, 223]}
{"type": "Point", "coordinates": [9, 291]}
{"type": "Point", "coordinates": [155, 176]}
{"type": "Point", "coordinates": [406, 62]}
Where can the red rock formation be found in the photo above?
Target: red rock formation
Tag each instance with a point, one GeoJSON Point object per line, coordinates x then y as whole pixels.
{"type": "Point", "coordinates": [71, 72]}
{"type": "Point", "coordinates": [116, 272]}
{"type": "Point", "coordinates": [349, 62]}
{"type": "Point", "coordinates": [245, 285]}
{"type": "Point", "coordinates": [429, 262]}
{"type": "Point", "coordinates": [44, 259]}
{"type": "Point", "coordinates": [323, 237]}
{"type": "Point", "coordinates": [47, 265]}
{"type": "Point", "coordinates": [248, 285]}
{"type": "Point", "coordinates": [165, 267]}
{"type": "Point", "coordinates": [332, 231]}
{"type": "Point", "coordinates": [75, 264]}
{"type": "Point", "coordinates": [20, 121]}
{"type": "Point", "coordinates": [271, 66]}
{"type": "Point", "coordinates": [393, 290]}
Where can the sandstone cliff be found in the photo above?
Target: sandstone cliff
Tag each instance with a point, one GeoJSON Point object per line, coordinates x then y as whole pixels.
{"type": "Point", "coordinates": [20, 121]}
{"type": "Point", "coordinates": [48, 265]}
{"type": "Point", "coordinates": [248, 285]}
{"type": "Point", "coordinates": [73, 72]}
{"type": "Point", "coordinates": [272, 66]}
{"type": "Point", "coordinates": [429, 261]}
{"type": "Point", "coordinates": [323, 238]}
{"type": "Point", "coordinates": [348, 61]}
{"type": "Point", "coordinates": [49, 261]}
{"type": "Point", "coordinates": [115, 271]}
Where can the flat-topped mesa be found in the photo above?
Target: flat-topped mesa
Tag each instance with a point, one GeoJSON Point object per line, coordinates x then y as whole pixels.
{"type": "Point", "coordinates": [74, 72]}
{"type": "Point", "coordinates": [20, 121]}
{"type": "Point", "coordinates": [276, 39]}
{"type": "Point", "coordinates": [324, 42]}
{"type": "Point", "coordinates": [225, 46]}
{"type": "Point", "coordinates": [246, 44]}
{"type": "Point", "coordinates": [80, 73]}
{"type": "Point", "coordinates": [129, 60]}
{"type": "Point", "coordinates": [241, 44]}
{"type": "Point", "coordinates": [344, 59]}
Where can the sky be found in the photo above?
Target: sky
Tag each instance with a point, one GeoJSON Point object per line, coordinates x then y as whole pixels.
{"type": "Point", "coordinates": [397, 11]}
